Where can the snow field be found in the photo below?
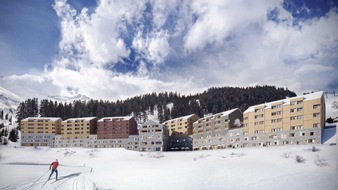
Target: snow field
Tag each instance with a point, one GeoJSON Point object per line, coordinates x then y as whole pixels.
{"type": "Point", "coordinates": [250, 168]}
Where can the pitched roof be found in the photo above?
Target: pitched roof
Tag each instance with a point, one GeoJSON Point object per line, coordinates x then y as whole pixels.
{"type": "Point", "coordinates": [111, 118]}
{"type": "Point", "coordinates": [43, 118]}
{"type": "Point", "coordinates": [81, 118]}
{"type": "Point", "coordinates": [287, 101]}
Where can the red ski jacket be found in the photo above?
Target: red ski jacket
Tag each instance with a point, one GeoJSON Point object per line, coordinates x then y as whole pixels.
{"type": "Point", "coordinates": [54, 165]}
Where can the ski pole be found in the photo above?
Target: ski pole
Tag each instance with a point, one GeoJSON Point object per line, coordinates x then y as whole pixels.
{"type": "Point", "coordinates": [38, 179]}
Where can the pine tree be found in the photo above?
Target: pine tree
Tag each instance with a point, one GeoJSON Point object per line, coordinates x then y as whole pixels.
{"type": "Point", "coordinates": [13, 135]}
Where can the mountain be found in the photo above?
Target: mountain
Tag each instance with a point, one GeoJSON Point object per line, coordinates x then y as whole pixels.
{"type": "Point", "coordinates": [8, 99]}
{"type": "Point", "coordinates": [69, 99]}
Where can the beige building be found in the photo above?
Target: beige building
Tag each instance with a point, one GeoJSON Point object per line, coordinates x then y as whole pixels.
{"type": "Point", "coordinates": [78, 128]}
{"type": "Point", "coordinates": [211, 131]}
{"type": "Point", "coordinates": [181, 126]}
{"type": "Point", "coordinates": [296, 120]}
{"type": "Point", "coordinates": [180, 132]}
{"type": "Point", "coordinates": [40, 131]}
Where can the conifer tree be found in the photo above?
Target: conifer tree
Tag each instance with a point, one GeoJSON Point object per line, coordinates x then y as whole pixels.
{"type": "Point", "coordinates": [13, 135]}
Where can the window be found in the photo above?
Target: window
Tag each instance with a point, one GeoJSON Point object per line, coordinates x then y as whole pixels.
{"type": "Point", "coordinates": [316, 114]}
{"type": "Point", "coordinates": [276, 120]}
{"type": "Point", "coordinates": [276, 106]}
{"type": "Point", "coordinates": [276, 129]}
{"type": "Point", "coordinates": [316, 106]}
{"type": "Point", "coordinates": [312, 133]}
{"type": "Point", "coordinates": [258, 131]}
{"type": "Point", "coordinates": [259, 123]}
{"type": "Point", "coordinates": [259, 110]}
{"type": "Point", "coordinates": [291, 135]}
{"type": "Point", "coordinates": [302, 134]}
{"type": "Point", "coordinates": [316, 125]}
{"type": "Point", "coordinates": [276, 113]}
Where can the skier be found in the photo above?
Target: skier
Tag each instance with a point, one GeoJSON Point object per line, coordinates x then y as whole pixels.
{"type": "Point", "coordinates": [54, 165]}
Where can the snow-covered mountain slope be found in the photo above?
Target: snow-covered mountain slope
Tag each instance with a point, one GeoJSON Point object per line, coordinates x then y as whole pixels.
{"type": "Point", "coordinates": [8, 105]}
{"type": "Point", "coordinates": [331, 101]}
{"type": "Point", "coordinates": [247, 168]}
{"type": "Point", "coordinates": [69, 99]}
{"type": "Point", "coordinates": [9, 99]}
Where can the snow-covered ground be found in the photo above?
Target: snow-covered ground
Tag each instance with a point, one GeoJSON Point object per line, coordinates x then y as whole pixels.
{"type": "Point", "coordinates": [250, 168]}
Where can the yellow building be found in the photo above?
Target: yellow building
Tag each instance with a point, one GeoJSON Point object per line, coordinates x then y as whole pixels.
{"type": "Point", "coordinates": [40, 131]}
{"type": "Point", "coordinates": [180, 132]}
{"type": "Point", "coordinates": [289, 121]}
{"type": "Point", "coordinates": [181, 126]}
{"type": "Point", "coordinates": [78, 128]}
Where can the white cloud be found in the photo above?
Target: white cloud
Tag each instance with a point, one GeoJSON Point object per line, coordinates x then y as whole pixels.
{"type": "Point", "coordinates": [230, 44]}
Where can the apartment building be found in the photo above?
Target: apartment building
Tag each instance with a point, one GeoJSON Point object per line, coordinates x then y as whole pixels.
{"type": "Point", "coordinates": [297, 120]}
{"type": "Point", "coordinates": [215, 131]}
{"type": "Point", "coordinates": [116, 127]}
{"type": "Point", "coordinates": [152, 136]}
{"type": "Point", "coordinates": [78, 128]}
{"type": "Point", "coordinates": [130, 143]}
{"type": "Point", "coordinates": [40, 131]}
{"type": "Point", "coordinates": [180, 132]}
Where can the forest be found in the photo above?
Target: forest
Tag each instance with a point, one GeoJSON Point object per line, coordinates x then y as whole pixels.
{"type": "Point", "coordinates": [213, 100]}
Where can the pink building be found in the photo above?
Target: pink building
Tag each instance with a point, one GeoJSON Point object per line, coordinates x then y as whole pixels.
{"type": "Point", "coordinates": [116, 127]}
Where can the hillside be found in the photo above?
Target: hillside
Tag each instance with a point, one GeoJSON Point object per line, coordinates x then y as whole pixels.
{"type": "Point", "coordinates": [214, 100]}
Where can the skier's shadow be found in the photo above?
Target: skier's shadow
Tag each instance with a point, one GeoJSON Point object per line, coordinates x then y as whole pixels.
{"type": "Point", "coordinates": [68, 176]}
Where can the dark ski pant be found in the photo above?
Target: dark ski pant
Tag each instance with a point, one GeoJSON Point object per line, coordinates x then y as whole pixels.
{"type": "Point", "coordinates": [56, 171]}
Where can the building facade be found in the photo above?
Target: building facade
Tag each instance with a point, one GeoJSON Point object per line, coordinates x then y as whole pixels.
{"type": "Point", "coordinates": [40, 131]}
{"type": "Point", "coordinates": [212, 131]}
{"type": "Point", "coordinates": [152, 136]}
{"type": "Point", "coordinates": [130, 143]}
{"type": "Point", "coordinates": [78, 128]}
{"type": "Point", "coordinates": [297, 120]}
{"type": "Point", "coordinates": [116, 127]}
{"type": "Point", "coordinates": [180, 132]}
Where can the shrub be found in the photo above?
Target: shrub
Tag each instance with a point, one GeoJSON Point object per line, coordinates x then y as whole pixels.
{"type": "Point", "coordinates": [314, 149]}
{"type": "Point", "coordinates": [300, 159]}
{"type": "Point", "coordinates": [320, 161]}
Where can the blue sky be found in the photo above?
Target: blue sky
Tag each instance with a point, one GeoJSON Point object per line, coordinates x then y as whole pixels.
{"type": "Point", "coordinates": [117, 49]}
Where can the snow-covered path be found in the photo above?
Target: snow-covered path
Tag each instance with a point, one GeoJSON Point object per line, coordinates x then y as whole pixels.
{"type": "Point", "coordinates": [72, 177]}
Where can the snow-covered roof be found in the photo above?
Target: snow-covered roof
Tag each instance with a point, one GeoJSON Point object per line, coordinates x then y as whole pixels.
{"type": "Point", "coordinates": [111, 118]}
{"type": "Point", "coordinates": [183, 117]}
{"type": "Point", "coordinates": [150, 122]}
{"type": "Point", "coordinates": [81, 118]}
{"type": "Point", "coordinates": [42, 118]}
{"type": "Point", "coordinates": [287, 101]}
{"type": "Point", "coordinates": [222, 113]}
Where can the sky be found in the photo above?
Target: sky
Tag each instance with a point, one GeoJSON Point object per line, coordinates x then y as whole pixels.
{"type": "Point", "coordinates": [118, 49]}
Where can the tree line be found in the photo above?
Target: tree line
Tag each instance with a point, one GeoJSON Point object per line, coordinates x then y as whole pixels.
{"type": "Point", "coordinates": [213, 100]}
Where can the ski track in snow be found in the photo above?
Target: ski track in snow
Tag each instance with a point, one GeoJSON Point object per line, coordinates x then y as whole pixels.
{"type": "Point", "coordinates": [72, 181]}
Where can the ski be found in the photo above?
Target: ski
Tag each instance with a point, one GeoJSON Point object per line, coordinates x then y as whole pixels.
{"type": "Point", "coordinates": [44, 183]}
